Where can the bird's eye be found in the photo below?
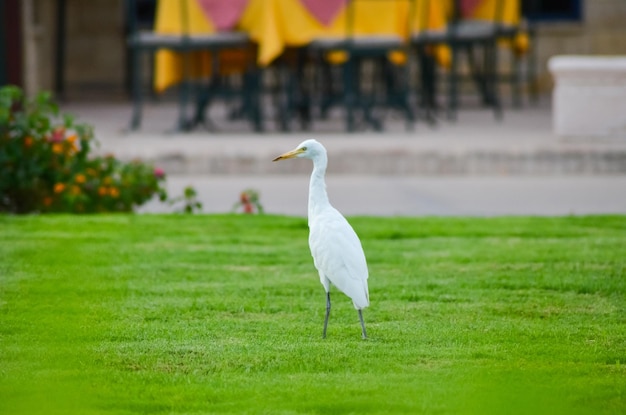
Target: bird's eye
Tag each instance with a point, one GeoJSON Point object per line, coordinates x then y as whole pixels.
{"type": "Point", "coordinates": [303, 148]}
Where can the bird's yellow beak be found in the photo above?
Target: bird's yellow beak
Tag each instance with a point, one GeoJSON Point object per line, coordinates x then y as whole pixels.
{"type": "Point", "coordinates": [290, 154]}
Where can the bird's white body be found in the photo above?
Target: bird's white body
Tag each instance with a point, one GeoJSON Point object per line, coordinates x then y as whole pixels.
{"type": "Point", "coordinates": [335, 247]}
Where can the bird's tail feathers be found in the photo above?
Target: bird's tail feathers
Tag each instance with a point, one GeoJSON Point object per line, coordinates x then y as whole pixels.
{"type": "Point", "coordinates": [361, 303]}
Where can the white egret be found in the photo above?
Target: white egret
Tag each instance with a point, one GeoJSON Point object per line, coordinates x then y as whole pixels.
{"type": "Point", "coordinates": [335, 247]}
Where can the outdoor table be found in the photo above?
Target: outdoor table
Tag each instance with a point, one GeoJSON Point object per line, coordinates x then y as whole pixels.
{"type": "Point", "coordinates": [275, 25]}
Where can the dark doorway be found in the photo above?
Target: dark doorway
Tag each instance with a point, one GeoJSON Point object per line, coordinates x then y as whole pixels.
{"type": "Point", "coordinates": [10, 43]}
{"type": "Point", "coordinates": [552, 9]}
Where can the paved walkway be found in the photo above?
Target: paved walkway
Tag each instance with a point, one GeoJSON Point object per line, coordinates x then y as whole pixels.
{"type": "Point", "coordinates": [476, 166]}
{"type": "Point", "coordinates": [411, 195]}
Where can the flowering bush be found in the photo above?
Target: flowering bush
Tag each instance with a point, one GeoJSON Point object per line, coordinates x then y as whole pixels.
{"type": "Point", "coordinates": [45, 164]}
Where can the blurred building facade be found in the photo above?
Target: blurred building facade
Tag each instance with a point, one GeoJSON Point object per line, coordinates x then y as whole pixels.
{"type": "Point", "coordinates": [77, 47]}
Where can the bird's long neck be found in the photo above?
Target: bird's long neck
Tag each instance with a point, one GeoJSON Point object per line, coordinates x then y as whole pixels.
{"type": "Point", "coordinates": [318, 198]}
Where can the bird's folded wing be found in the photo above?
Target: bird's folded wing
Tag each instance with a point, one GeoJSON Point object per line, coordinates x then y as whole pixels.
{"type": "Point", "coordinates": [338, 254]}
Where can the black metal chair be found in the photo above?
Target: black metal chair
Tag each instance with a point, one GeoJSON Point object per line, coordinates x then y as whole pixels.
{"type": "Point", "coordinates": [289, 88]}
{"type": "Point", "coordinates": [523, 64]}
{"type": "Point", "coordinates": [147, 41]}
{"type": "Point", "coordinates": [389, 82]}
{"type": "Point", "coordinates": [461, 35]}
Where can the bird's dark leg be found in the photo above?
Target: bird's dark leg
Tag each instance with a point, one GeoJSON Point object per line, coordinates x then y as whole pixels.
{"type": "Point", "coordinates": [327, 314]}
{"type": "Point", "coordinates": [363, 332]}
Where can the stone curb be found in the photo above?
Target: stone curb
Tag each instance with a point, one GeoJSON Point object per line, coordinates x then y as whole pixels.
{"type": "Point", "coordinates": [422, 163]}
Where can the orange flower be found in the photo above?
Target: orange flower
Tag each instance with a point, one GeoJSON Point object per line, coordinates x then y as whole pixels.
{"type": "Point", "coordinates": [47, 201]}
{"type": "Point", "coordinates": [107, 180]}
{"type": "Point", "coordinates": [80, 178]}
{"type": "Point", "coordinates": [114, 192]}
{"type": "Point", "coordinates": [28, 141]}
{"type": "Point", "coordinates": [102, 191]}
{"type": "Point", "coordinates": [59, 187]}
{"type": "Point", "coordinates": [72, 141]}
{"type": "Point", "coordinates": [57, 148]}
{"type": "Point", "coordinates": [75, 190]}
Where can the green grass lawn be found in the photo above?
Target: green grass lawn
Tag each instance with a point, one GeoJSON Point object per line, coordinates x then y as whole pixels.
{"type": "Point", "coordinates": [223, 314]}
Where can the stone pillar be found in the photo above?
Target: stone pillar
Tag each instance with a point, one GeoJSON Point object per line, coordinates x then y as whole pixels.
{"type": "Point", "coordinates": [589, 96]}
{"type": "Point", "coordinates": [30, 34]}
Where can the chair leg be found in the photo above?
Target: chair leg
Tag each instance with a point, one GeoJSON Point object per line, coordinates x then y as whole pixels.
{"type": "Point", "coordinates": [252, 95]}
{"type": "Point", "coordinates": [302, 99]}
{"type": "Point", "coordinates": [367, 102]}
{"type": "Point", "coordinates": [428, 81]}
{"type": "Point", "coordinates": [531, 70]}
{"type": "Point", "coordinates": [453, 84]}
{"type": "Point", "coordinates": [349, 82]}
{"type": "Point", "coordinates": [207, 94]}
{"type": "Point", "coordinates": [480, 75]}
{"type": "Point", "coordinates": [516, 81]}
{"type": "Point", "coordinates": [398, 89]}
{"type": "Point", "coordinates": [183, 124]}
{"type": "Point", "coordinates": [492, 77]}
{"type": "Point", "coordinates": [135, 121]}
{"type": "Point", "coordinates": [153, 95]}
{"type": "Point", "coordinates": [407, 96]}
{"type": "Point", "coordinates": [285, 95]}
{"type": "Point", "coordinates": [327, 86]}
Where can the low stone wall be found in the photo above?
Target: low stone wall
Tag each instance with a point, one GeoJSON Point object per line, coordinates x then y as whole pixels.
{"type": "Point", "coordinates": [530, 162]}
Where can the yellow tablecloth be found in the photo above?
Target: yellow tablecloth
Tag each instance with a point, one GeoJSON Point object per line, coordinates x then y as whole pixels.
{"type": "Point", "coordinates": [277, 24]}
{"type": "Point", "coordinates": [169, 19]}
